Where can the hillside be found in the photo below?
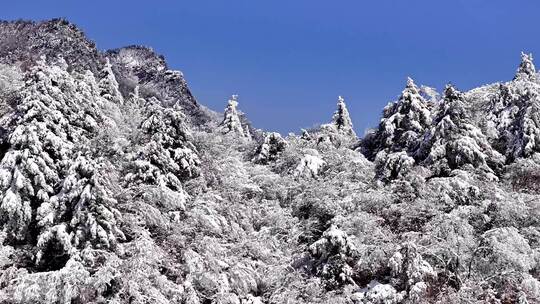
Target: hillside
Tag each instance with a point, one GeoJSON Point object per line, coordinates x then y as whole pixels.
{"type": "Point", "coordinates": [117, 186]}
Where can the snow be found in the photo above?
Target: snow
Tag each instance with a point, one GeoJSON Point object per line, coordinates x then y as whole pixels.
{"type": "Point", "coordinates": [342, 120]}
{"type": "Point", "coordinates": [454, 141]}
{"type": "Point", "coordinates": [108, 85]}
{"type": "Point", "coordinates": [310, 164]}
{"type": "Point", "coordinates": [378, 293]}
{"type": "Point", "coordinates": [393, 166]}
{"type": "Point", "coordinates": [181, 214]}
{"type": "Point", "coordinates": [404, 122]}
{"type": "Point", "coordinates": [270, 149]}
{"type": "Point", "coordinates": [231, 120]}
{"type": "Point", "coordinates": [165, 156]}
{"type": "Point", "coordinates": [526, 69]}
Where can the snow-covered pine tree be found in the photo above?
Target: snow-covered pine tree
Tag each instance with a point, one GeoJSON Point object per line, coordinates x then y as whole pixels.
{"type": "Point", "coordinates": [83, 213]}
{"type": "Point", "coordinates": [270, 149]}
{"type": "Point", "coordinates": [512, 123]}
{"type": "Point", "coordinates": [166, 156]}
{"type": "Point", "coordinates": [57, 114]}
{"type": "Point", "coordinates": [108, 86]}
{"type": "Point", "coordinates": [501, 112]}
{"type": "Point", "coordinates": [231, 120]}
{"type": "Point", "coordinates": [526, 69]}
{"type": "Point", "coordinates": [411, 272]}
{"type": "Point", "coordinates": [334, 255]}
{"type": "Point", "coordinates": [39, 149]}
{"type": "Point", "coordinates": [392, 166]}
{"type": "Point", "coordinates": [341, 119]}
{"type": "Point", "coordinates": [454, 141]}
{"type": "Point", "coordinates": [525, 130]}
{"type": "Point", "coordinates": [404, 122]}
{"type": "Point", "coordinates": [135, 99]}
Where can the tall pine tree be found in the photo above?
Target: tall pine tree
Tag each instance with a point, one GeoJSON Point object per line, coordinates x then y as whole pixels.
{"type": "Point", "coordinates": [526, 69]}
{"type": "Point", "coordinates": [231, 123]}
{"type": "Point", "coordinates": [341, 119]}
{"type": "Point", "coordinates": [166, 155]}
{"type": "Point", "coordinates": [525, 130]}
{"type": "Point", "coordinates": [404, 123]}
{"type": "Point", "coordinates": [82, 214]}
{"type": "Point", "coordinates": [454, 141]}
{"type": "Point", "coordinates": [108, 86]}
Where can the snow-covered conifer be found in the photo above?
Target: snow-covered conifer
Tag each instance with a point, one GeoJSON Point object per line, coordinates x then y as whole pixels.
{"type": "Point", "coordinates": [454, 141]}
{"type": "Point", "coordinates": [524, 132]}
{"type": "Point", "coordinates": [39, 149]}
{"type": "Point", "coordinates": [411, 271]}
{"type": "Point", "coordinates": [392, 166]}
{"type": "Point", "coordinates": [526, 69]}
{"type": "Point", "coordinates": [231, 120]}
{"type": "Point", "coordinates": [58, 113]}
{"type": "Point", "coordinates": [342, 120]}
{"type": "Point", "coordinates": [404, 122]}
{"type": "Point", "coordinates": [270, 149]}
{"type": "Point", "coordinates": [83, 212]}
{"type": "Point", "coordinates": [167, 155]}
{"type": "Point", "coordinates": [335, 256]}
{"type": "Point", "coordinates": [108, 86]}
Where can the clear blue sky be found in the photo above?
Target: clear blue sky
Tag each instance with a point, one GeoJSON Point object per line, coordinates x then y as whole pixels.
{"type": "Point", "coordinates": [288, 60]}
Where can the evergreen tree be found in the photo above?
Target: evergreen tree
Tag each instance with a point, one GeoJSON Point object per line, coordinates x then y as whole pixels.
{"type": "Point", "coordinates": [341, 119]}
{"type": "Point", "coordinates": [392, 166]}
{"type": "Point", "coordinates": [512, 121]}
{"type": "Point", "coordinates": [411, 271]}
{"type": "Point", "coordinates": [231, 121]}
{"type": "Point", "coordinates": [526, 69]}
{"type": "Point", "coordinates": [58, 113]}
{"type": "Point", "coordinates": [108, 86]}
{"type": "Point", "coordinates": [404, 122]}
{"type": "Point", "coordinates": [525, 130]}
{"type": "Point", "coordinates": [270, 149]}
{"type": "Point", "coordinates": [83, 212]}
{"type": "Point", "coordinates": [39, 148]}
{"type": "Point", "coordinates": [502, 111]}
{"type": "Point", "coordinates": [454, 141]}
{"type": "Point", "coordinates": [167, 155]}
{"type": "Point", "coordinates": [335, 256]}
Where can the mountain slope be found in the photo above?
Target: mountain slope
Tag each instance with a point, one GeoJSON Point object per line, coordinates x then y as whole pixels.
{"type": "Point", "coordinates": [116, 186]}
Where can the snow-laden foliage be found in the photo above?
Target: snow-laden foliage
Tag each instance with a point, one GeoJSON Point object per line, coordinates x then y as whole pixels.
{"type": "Point", "coordinates": [82, 214]}
{"type": "Point", "coordinates": [310, 165]}
{"type": "Point", "coordinates": [52, 117]}
{"type": "Point", "coordinates": [335, 256]}
{"type": "Point", "coordinates": [454, 141]}
{"type": "Point", "coordinates": [378, 293]}
{"type": "Point", "coordinates": [512, 123]}
{"type": "Point", "coordinates": [165, 156]}
{"type": "Point", "coordinates": [121, 188]}
{"type": "Point", "coordinates": [231, 120]}
{"type": "Point", "coordinates": [108, 86]}
{"type": "Point", "coordinates": [270, 149]}
{"type": "Point", "coordinates": [392, 166]}
{"type": "Point", "coordinates": [526, 69]}
{"type": "Point", "coordinates": [411, 272]}
{"type": "Point", "coordinates": [404, 122]}
{"type": "Point", "coordinates": [524, 132]}
{"type": "Point", "coordinates": [341, 119]}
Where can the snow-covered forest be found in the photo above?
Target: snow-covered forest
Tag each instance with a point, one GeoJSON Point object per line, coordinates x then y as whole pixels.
{"type": "Point", "coordinates": [117, 186]}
